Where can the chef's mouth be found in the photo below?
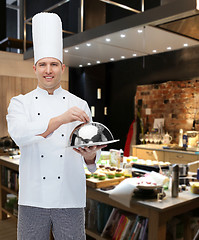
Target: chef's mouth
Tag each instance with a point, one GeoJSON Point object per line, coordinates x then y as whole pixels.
{"type": "Point", "coordinates": [48, 77]}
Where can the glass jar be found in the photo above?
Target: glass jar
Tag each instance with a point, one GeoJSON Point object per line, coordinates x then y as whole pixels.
{"type": "Point", "coordinates": [128, 169]}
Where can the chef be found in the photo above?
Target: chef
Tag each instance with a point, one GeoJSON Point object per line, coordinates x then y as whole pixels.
{"type": "Point", "coordinates": [52, 185]}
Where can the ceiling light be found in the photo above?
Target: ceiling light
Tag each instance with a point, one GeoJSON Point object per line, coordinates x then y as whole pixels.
{"type": "Point", "coordinates": [112, 59]}
{"type": "Point", "coordinates": [154, 51]}
{"type": "Point", "coordinates": [122, 57]}
{"type": "Point", "coordinates": [88, 64]}
{"type": "Point", "coordinates": [80, 65]}
{"type": "Point", "coordinates": [66, 50]}
{"type": "Point", "coordinates": [134, 55]}
{"type": "Point", "coordinates": [77, 48]}
{"type": "Point", "coordinates": [108, 39]}
{"type": "Point", "coordinates": [88, 44]}
{"type": "Point", "coordinates": [122, 35]}
{"type": "Point", "coordinates": [140, 30]}
{"type": "Point", "coordinates": [168, 48]}
{"type": "Point", "coordinates": [98, 62]}
{"type": "Point", "coordinates": [185, 45]}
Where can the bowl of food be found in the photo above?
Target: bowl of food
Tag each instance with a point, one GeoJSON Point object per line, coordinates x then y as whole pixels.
{"type": "Point", "coordinates": [90, 134]}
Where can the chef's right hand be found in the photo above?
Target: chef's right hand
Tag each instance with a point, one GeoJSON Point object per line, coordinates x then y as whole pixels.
{"type": "Point", "coordinates": [74, 114]}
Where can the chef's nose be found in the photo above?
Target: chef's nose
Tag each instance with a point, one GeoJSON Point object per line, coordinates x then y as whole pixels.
{"type": "Point", "coordinates": [48, 68]}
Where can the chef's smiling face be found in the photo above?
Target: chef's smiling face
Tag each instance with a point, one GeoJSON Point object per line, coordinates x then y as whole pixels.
{"type": "Point", "coordinates": [49, 71]}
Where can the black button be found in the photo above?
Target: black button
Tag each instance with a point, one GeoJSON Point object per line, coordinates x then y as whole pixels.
{"type": "Point", "coordinates": [58, 177]}
{"type": "Point", "coordinates": [64, 97]}
{"type": "Point", "coordinates": [61, 156]}
{"type": "Point", "coordinates": [44, 178]}
{"type": "Point", "coordinates": [36, 97]}
{"type": "Point", "coordinates": [38, 113]}
{"type": "Point", "coordinates": [62, 135]}
{"type": "Point", "coordinates": [42, 156]}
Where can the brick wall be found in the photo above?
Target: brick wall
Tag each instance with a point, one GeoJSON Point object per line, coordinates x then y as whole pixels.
{"type": "Point", "coordinates": [175, 101]}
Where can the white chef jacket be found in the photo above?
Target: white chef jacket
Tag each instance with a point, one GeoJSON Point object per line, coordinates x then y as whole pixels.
{"type": "Point", "coordinates": [50, 174]}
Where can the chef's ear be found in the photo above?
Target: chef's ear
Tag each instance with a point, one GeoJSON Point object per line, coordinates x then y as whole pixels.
{"type": "Point", "coordinates": [63, 67]}
{"type": "Point", "coordinates": [34, 67]}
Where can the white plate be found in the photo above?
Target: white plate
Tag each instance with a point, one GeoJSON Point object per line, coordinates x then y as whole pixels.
{"type": "Point", "coordinates": [94, 144]}
{"type": "Point", "coordinates": [148, 187]}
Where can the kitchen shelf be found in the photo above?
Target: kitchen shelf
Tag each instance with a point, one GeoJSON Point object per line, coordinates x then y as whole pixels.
{"type": "Point", "coordinates": [6, 161]}
{"type": "Point", "coordinates": [9, 214]}
{"type": "Point", "coordinates": [9, 190]}
{"type": "Point", "coordinates": [95, 235]}
{"type": "Point", "coordinates": [158, 214]}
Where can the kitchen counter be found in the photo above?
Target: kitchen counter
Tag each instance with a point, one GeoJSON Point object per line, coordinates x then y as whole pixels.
{"type": "Point", "coordinates": [158, 213]}
{"type": "Point", "coordinates": [164, 148]}
{"type": "Point", "coordinates": [167, 154]}
{"type": "Point", "coordinates": [9, 162]}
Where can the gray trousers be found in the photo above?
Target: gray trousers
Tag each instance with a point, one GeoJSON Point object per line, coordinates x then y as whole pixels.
{"type": "Point", "coordinates": [35, 223]}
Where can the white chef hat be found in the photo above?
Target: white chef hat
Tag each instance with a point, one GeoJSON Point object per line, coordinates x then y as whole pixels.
{"type": "Point", "coordinates": [47, 36]}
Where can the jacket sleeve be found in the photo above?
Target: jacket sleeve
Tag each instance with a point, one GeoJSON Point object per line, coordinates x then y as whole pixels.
{"type": "Point", "coordinates": [93, 167]}
{"type": "Point", "coordinates": [21, 129]}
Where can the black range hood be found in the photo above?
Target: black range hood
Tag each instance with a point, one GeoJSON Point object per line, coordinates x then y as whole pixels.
{"type": "Point", "coordinates": [153, 31]}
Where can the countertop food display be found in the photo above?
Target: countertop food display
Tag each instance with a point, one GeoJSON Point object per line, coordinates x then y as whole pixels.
{"type": "Point", "coordinates": [104, 176]}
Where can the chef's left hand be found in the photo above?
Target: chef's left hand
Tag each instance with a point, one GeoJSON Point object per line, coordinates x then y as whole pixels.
{"type": "Point", "coordinates": [89, 153]}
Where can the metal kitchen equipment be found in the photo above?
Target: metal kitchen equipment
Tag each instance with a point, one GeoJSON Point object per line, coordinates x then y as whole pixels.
{"type": "Point", "coordinates": [175, 181]}
{"type": "Point", "coordinates": [90, 134]}
{"type": "Point", "coordinates": [184, 168]}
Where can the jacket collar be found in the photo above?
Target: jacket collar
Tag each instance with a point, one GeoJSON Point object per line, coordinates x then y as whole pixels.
{"type": "Point", "coordinates": [44, 92]}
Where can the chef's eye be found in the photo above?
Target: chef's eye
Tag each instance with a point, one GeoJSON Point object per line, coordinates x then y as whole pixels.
{"type": "Point", "coordinates": [42, 64]}
{"type": "Point", "coordinates": [54, 64]}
